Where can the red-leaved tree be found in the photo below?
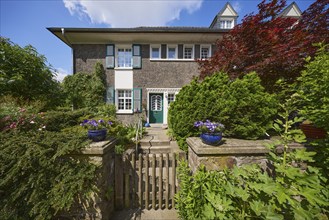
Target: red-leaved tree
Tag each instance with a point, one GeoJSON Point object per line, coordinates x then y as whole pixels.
{"type": "Point", "coordinates": [273, 46]}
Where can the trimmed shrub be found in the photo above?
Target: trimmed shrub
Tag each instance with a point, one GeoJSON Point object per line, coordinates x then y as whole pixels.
{"type": "Point", "coordinates": [241, 105]}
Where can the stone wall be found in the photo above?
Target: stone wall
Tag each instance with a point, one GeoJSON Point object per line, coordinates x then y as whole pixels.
{"type": "Point", "coordinates": [102, 205]}
{"type": "Point", "coordinates": [231, 152]}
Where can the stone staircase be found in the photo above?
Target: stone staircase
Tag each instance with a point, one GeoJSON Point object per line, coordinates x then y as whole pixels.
{"type": "Point", "coordinates": [157, 141]}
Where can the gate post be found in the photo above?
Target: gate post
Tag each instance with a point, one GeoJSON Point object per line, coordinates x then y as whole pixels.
{"type": "Point", "coordinates": [118, 181]}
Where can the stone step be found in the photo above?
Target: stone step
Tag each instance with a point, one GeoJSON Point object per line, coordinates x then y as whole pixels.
{"type": "Point", "coordinates": [155, 149]}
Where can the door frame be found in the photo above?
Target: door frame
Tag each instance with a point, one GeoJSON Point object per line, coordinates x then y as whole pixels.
{"type": "Point", "coordinates": [165, 92]}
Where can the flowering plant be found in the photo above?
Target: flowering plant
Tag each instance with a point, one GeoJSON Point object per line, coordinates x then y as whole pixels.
{"type": "Point", "coordinates": [92, 124]}
{"type": "Point", "coordinates": [209, 127]}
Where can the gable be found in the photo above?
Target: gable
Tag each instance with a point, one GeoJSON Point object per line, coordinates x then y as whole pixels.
{"type": "Point", "coordinates": [293, 12]}
{"type": "Point", "coordinates": [228, 11]}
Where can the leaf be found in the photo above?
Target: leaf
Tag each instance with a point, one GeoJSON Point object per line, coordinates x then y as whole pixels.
{"type": "Point", "coordinates": [257, 207]}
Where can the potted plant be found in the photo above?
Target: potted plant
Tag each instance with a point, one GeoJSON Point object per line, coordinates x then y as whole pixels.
{"type": "Point", "coordinates": [311, 131]}
{"type": "Point", "coordinates": [97, 130]}
{"type": "Point", "coordinates": [211, 132]}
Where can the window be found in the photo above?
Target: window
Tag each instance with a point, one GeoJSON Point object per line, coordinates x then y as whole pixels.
{"type": "Point", "coordinates": [226, 24]}
{"type": "Point", "coordinates": [171, 98]}
{"type": "Point", "coordinates": [172, 52]}
{"type": "Point", "coordinates": [188, 52]}
{"type": "Point", "coordinates": [124, 57]}
{"type": "Point", "coordinates": [155, 52]}
{"type": "Point", "coordinates": [205, 52]}
{"type": "Point", "coordinates": [124, 100]}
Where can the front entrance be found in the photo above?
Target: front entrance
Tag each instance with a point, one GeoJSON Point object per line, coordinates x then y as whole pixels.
{"type": "Point", "coordinates": [156, 108]}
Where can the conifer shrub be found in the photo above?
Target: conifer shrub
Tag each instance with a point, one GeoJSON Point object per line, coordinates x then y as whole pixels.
{"type": "Point", "coordinates": [242, 105]}
{"type": "Point", "coordinates": [39, 177]}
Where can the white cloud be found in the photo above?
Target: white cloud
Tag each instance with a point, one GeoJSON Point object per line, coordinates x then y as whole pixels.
{"type": "Point", "coordinates": [131, 13]}
{"type": "Point", "coordinates": [60, 74]}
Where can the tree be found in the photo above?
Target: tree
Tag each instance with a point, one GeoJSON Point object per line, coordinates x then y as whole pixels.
{"type": "Point", "coordinates": [86, 90]}
{"type": "Point", "coordinates": [25, 74]}
{"type": "Point", "coordinates": [273, 46]}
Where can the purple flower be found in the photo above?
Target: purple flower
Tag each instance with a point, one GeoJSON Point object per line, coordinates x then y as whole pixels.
{"type": "Point", "coordinates": [209, 126]}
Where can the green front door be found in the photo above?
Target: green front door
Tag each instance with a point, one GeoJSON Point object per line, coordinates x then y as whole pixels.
{"type": "Point", "coordinates": [156, 108]}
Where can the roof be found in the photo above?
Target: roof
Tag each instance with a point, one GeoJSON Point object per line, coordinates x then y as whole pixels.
{"type": "Point", "coordinates": [138, 34]}
{"type": "Point", "coordinates": [289, 8]}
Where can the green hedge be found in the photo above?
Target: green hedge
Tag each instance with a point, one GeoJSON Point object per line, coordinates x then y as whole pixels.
{"type": "Point", "coordinates": [38, 178]}
{"type": "Point", "coordinates": [241, 105]}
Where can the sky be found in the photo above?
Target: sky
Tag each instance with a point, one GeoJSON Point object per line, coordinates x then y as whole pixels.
{"type": "Point", "coordinates": [24, 22]}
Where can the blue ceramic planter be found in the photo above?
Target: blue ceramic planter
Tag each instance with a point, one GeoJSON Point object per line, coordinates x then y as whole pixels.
{"type": "Point", "coordinates": [97, 135]}
{"type": "Point", "coordinates": [211, 138]}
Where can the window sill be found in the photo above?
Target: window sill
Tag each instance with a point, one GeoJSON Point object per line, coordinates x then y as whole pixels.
{"type": "Point", "coordinates": [123, 68]}
{"type": "Point", "coordinates": [124, 112]}
{"type": "Point", "coordinates": [172, 60]}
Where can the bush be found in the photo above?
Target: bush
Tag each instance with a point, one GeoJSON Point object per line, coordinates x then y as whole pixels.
{"type": "Point", "coordinates": [242, 105]}
{"type": "Point", "coordinates": [297, 190]}
{"type": "Point", "coordinates": [85, 90]}
{"type": "Point", "coordinates": [39, 178]}
{"type": "Point", "coordinates": [313, 89]}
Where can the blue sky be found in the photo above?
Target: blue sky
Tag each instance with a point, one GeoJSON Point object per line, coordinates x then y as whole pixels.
{"type": "Point", "coordinates": [25, 21]}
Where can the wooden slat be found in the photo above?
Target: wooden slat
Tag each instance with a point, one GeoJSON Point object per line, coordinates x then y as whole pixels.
{"type": "Point", "coordinates": [153, 181]}
{"type": "Point", "coordinates": [126, 170]}
{"type": "Point", "coordinates": [140, 180]}
{"type": "Point", "coordinates": [160, 180]}
{"type": "Point", "coordinates": [133, 176]}
{"type": "Point", "coordinates": [167, 181]}
{"type": "Point", "coordinates": [173, 179]}
{"type": "Point", "coordinates": [118, 172]}
{"type": "Point", "coordinates": [147, 181]}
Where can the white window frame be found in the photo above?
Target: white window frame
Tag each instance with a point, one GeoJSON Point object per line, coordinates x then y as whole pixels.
{"type": "Point", "coordinates": [188, 46]}
{"type": "Point", "coordinates": [225, 22]}
{"type": "Point", "coordinates": [125, 98]}
{"type": "Point", "coordinates": [125, 47]}
{"type": "Point", "coordinates": [158, 47]}
{"type": "Point", "coordinates": [176, 51]}
{"type": "Point", "coordinates": [209, 51]}
{"type": "Point", "coordinates": [169, 99]}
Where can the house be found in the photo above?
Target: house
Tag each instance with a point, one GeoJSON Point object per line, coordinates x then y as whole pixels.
{"type": "Point", "coordinates": [145, 66]}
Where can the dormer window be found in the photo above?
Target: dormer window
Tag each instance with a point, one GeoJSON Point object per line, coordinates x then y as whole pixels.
{"type": "Point", "coordinates": [226, 24]}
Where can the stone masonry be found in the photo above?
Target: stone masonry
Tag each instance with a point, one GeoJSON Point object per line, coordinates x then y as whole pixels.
{"type": "Point", "coordinates": [231, 152]}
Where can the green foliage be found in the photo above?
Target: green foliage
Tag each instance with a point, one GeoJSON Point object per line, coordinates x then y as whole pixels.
{"type": "Point", "coordinates": [314, 89]}
{"type": "Point", "coordinates": [25, 74]}
{"type": "Point", "coordinates": [85, 90]}
{"type": "Point", "coordinates": [241, 105]}
{"type": "Point", "coordinates": [39, 177]}
{"type": "Point", "coordinates": [293, 190]}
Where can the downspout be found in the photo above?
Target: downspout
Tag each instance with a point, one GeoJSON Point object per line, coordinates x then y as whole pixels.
{"type": "Point", "coordinates": [72, 50]}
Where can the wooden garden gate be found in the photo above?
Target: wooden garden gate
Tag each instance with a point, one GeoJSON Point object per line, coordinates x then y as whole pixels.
{"type": "Point", "coordinates": [146, 181]}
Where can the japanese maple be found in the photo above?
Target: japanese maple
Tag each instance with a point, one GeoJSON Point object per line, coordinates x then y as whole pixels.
{"type": "Point", "coordinates": [273, 46]}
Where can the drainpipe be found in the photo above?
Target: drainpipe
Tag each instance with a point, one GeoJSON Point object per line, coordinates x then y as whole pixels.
{"type": "Point", "coordinates": [72, 50]}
